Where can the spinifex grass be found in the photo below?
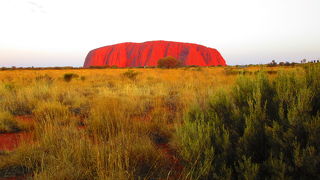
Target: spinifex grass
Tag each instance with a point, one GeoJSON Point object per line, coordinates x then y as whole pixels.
{"type": "Point", "coordinates": [111, 123]}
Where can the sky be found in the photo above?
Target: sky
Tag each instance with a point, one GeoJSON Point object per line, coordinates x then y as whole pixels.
{"type": "Point", "coordinates": [44, 33]}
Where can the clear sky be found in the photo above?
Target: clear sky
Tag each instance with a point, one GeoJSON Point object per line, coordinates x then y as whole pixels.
{"type": "Point", "coordinates": [61, 32]}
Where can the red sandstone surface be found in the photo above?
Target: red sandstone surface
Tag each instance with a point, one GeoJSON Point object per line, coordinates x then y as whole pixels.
{"type": "Point", "coordinates": [10, 141]}
{"type": "Point", "coordinates": [148, 54]}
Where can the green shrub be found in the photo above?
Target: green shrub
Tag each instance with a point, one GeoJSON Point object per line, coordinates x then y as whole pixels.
{"type": "Point", "coordinates": [262, 129]}
{"type": "Point", "coordinates": [312, 80]}
{"type": "Point", "coordinates": [204, 144]}
{"type": "Point", "coordinates": [246, 169]}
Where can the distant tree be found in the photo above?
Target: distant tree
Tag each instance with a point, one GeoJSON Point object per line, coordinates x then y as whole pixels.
{"type": "Point", "coordinates": [169, 62]}
{"type": "Point", "coordinates": [272, 63]}
{"type": "Point", "coordinates": [287, 63]}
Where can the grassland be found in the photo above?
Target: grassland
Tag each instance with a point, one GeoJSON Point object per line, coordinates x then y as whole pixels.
{"type": "Point", "coordinates": [186, 123]}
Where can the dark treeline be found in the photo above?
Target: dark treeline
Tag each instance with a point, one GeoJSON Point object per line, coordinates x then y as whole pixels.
{"type": "Point", "coordinates": [166, 62]}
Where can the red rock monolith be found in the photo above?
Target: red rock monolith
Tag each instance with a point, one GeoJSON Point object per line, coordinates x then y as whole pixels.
{"type": "Point", "coordinates": [148, 54]}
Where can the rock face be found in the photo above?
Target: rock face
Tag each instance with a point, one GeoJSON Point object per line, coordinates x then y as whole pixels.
{"type": "Point", "coordinates": [148, 54]}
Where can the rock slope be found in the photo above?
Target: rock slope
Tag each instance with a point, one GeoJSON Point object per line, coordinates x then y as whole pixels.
{"type": "Point", "coordinates": [148, 54]}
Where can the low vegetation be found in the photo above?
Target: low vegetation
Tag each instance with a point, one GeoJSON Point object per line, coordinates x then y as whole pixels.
{"type": "Point", "coordinates": [8, 124]}
{"type": "Point", "coordinates": [169, 62]}
{"type": "Point", "coordinates": [186, 123]}
{"type": "Point", "coordinates": [261, 129]}
{"type": "Point", "coordinates": [131, 74]}
{"type": "Point", "coordinates": [69, 76]}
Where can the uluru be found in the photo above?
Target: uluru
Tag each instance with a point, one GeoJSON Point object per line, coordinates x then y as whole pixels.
{"type": "Point", "coordinates": [148, 53]}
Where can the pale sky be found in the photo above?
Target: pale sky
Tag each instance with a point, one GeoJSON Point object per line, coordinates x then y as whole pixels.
{"type": "Point", "coordinates": [62, 32]}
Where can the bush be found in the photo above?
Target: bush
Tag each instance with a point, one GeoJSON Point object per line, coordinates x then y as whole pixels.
{"type": "Point", "coordinates": [169, 62]}
{"type": "Point", "coordinates": [204, 144]}
{"type": "Point", "coordinates": [263, 129]}
{"type": "Point", "coordinates": [131, 74]}
{"type": "Point", "coordinates": [69, 76]}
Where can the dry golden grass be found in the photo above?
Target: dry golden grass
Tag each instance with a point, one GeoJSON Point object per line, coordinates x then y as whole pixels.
{"type": "Point", "coordinates": [103, 124]}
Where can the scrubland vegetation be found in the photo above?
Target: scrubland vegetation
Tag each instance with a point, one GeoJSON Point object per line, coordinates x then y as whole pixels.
{"type": "Point", "coordinates": [169, 62]}
{"type": "Point", "coordinates": [186, 123]}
